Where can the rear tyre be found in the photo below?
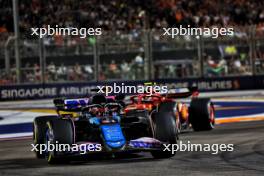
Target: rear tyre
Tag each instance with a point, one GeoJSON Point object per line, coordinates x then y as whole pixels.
{"type": "Point", "coordinates": [165, 130]}
{"type": "Point", "coordinates": [39, 127]}
{"type": "Point", "coordinates": [59, 131]}
{"type": "Point", "coordinates": [172, 108]}
{"type": "Point", "coordinates": [201, 114]}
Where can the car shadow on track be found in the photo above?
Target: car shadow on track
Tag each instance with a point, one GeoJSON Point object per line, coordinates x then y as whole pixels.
{"type": "Point", "coordinates": [74, 161]}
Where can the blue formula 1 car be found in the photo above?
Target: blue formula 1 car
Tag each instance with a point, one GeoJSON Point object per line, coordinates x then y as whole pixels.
{"type": "Point", "coordinates": [98, 124]}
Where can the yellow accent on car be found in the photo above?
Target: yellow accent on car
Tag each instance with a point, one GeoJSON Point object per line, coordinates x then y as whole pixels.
{"type": "Point", "coordinates": [35, 133]}
{"type": "Point", "coordinates": [73, 114]}
{"type": "Point", "coordinates": [49, 157]}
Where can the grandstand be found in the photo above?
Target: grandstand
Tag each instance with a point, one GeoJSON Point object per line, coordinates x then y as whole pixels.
{"type": "Point", "coordinates": [132, 46]}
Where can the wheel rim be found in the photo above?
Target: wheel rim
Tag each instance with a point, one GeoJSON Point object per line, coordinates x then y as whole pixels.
{"type": "Point", "coordinates": [48, 139]}
{"type": "Point", "coordinates": [211, 115]}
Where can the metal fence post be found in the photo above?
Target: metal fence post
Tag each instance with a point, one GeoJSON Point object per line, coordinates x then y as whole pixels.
{"type": "Point", "coordinates": [7, 61]}
{"type": "Point", "coordinates": [7, 56]}
{"type": "Point", "coordinates": [96, 59]}
{"type": "Point", "coordinates": [252, 48]}
{"type": "Point", "coordinates": [16, 29]}
{"type": "Point", "coordinates": [200, 55]}
{"type": "Point", "coordinates": [42, 60]}
{"type": "Point", "coordinates": [147, 51]}
{"type": "Point", "coordinates": [151, 66]}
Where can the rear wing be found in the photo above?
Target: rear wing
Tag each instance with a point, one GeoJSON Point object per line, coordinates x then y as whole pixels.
{"type": "Point", "coordinates": [178, 92]}
{"type": "Point", "coordinates": [182, 93]}
{"type": "Point", "coordinates": [70, 104]}
{"type": "Point", "coordinates": [76, 104]}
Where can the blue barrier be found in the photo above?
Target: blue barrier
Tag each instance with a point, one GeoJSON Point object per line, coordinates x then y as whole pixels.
{"type": "Point", "coordinates": [40, 91]}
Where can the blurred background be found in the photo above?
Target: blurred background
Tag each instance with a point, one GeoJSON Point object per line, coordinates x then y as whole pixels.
{"type": "Point", "coordinates": [131, 46]}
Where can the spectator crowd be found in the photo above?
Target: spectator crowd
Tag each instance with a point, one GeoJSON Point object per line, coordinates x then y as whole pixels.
{"type": "Point", "coordinates": [130, 17]}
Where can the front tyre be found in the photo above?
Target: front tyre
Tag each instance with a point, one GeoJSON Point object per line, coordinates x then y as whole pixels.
{"type": "Point", "coordinates": [39, 128]}
{"type": "Point", "coordinates": [165, 130]}
{"type": "Point", "coordinates": [59, 131]}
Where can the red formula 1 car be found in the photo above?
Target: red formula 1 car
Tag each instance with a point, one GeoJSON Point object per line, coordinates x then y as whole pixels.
{"type": "Point", "coordinates": [199, 114]}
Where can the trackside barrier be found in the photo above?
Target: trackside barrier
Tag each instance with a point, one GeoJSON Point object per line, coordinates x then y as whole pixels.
{"type": "Point", "coordinates": [41, 91]}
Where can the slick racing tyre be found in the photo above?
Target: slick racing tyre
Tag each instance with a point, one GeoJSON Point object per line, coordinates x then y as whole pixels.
{"type": "Point", "coordinates": [165, 130]}
{"type": "Point", "coordinates": [202, 114]}
{"type": "Point", "coordinates": [58, 131]}
{"type": "Point", "coordinates": [39, 126]}
{"type": "Point", "coordinates": [172, 108]}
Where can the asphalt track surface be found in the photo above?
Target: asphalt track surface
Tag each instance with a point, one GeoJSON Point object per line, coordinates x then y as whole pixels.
{"type": "Point", "coordinates": [246, 159]}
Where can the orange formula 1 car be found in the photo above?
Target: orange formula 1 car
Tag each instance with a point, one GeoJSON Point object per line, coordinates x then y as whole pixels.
{"type": "Point", "coordinates": [199, 114]}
